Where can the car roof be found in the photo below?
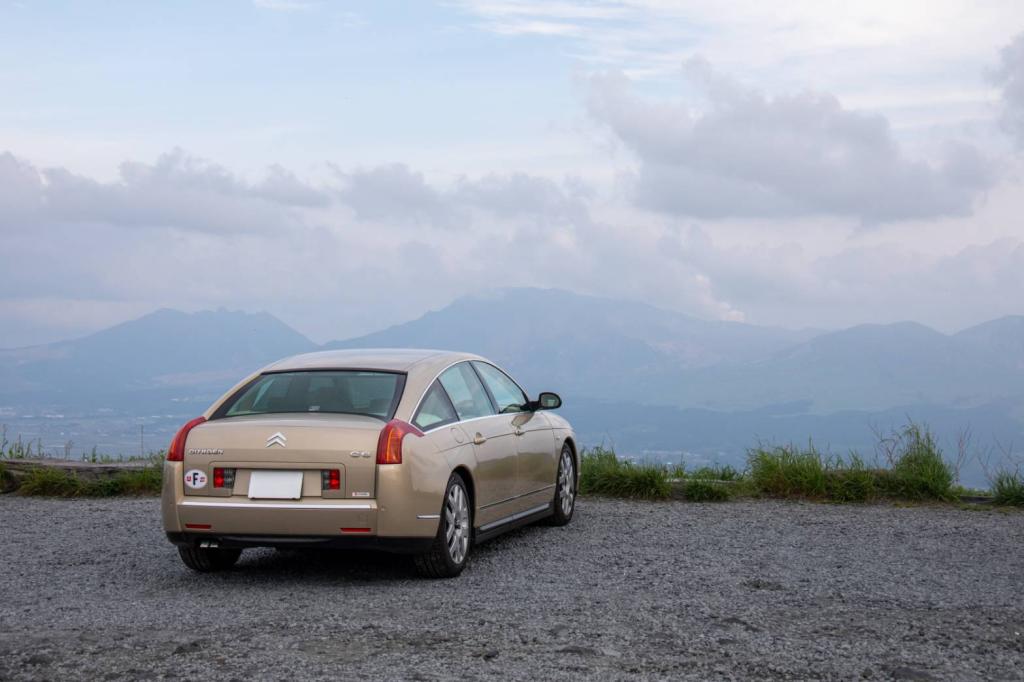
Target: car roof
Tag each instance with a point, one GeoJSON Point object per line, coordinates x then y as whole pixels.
{"type": "Point", "coordinates": [389, 359]}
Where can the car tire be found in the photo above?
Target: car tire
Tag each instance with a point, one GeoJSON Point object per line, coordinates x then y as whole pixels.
{"type": "Point", "coordinates": [564, 503]}
{"type": "Point", "coordinates": [208, 559]}
{"type": "Point", "coordinates": [450, 551]}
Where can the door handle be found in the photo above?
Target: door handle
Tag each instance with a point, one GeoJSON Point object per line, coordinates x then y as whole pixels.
{"type": "Point", "coordinates": [519, 431]}
{"type": "Point", "coordinates": [479, 439]}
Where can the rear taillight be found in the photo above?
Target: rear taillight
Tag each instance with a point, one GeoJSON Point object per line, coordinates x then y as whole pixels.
{"type": "Point", "coordinates": [223, 478]}
{"type": "Point", "coordinates": [389, 445]}
{"type": "Point", "coordinates": [176, 453]}
{"type": "Point", "coordinates": [330, 479]}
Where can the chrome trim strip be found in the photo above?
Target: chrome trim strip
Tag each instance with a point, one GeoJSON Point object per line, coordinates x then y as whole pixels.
{"type": "Point", "coordinates": [514, 517]}
{"type": "Point", "coordinates": [428, 516]}
{"type": "Point", "coordinates": [274, 505]}
{"type": "Point", "coordinates": [516, 497]}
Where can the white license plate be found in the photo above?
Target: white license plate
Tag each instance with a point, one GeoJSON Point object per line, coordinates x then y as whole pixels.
{"type": "Point", "coordinates": [275, 485]}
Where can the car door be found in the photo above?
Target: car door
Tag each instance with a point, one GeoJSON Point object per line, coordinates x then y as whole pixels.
{"type": "Point", "coordinates": [494, 442]}
{"type": "Point", "coordinates": [536, 462]}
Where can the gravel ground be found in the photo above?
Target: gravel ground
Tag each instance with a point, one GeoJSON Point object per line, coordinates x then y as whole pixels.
{"type": "Point", "coordinates": [91, 589]}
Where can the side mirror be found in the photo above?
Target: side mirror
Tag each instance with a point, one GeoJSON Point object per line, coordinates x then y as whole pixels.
{"type": "Point", "coordinates": [548, 401]}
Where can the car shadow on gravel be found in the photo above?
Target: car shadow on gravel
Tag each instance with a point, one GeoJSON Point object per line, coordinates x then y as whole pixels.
{"type": "Point", "coordinates": [314, 566]}
{"type": "Point", "coordinates": [325, 565]}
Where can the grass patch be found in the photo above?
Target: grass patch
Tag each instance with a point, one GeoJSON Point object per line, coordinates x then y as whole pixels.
{"type": "Point", "coordinates": [716, 472]}
{"type": "Point", "coordinates": [917, 471]}
{"type": "Point", "coordinates": [53, 482]}
{"type": "Point", "coordinates": [715, 483]}
{"type": "Point", "coordinates": [1008, 489]}
{"type": "Point", "coordinates": [602, 473]}
{"type": "Point", "coordinates": [705, 490]}
{"type": "Point", "coordinates": [787, 471]}
{"type": "Point", "coordinates": [7, 482]}
{"type": "Point", "coordinates": [19, 449]}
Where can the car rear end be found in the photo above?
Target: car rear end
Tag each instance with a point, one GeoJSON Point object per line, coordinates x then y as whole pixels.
{"type": "Point", "coordinates": [289, 459]}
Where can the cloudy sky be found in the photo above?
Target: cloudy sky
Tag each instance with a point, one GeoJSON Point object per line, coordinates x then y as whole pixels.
{"type": "Point", "coordinates": [349, 165]}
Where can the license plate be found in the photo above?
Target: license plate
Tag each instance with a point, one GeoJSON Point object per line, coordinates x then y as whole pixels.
{"type": "Point", "coordinates": [275, 485]}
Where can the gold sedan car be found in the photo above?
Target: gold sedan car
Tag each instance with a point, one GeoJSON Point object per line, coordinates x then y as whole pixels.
{"type": "Point", "coordinates": [421, 452]}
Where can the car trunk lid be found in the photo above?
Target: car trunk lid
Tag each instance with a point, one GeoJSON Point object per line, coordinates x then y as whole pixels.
{"type": "Point", "coordinates": [310, 444]}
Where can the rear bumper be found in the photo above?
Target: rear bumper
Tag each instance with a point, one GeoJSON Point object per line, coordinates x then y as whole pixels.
{"type": "Point", "coordinates": [241, 516]}
{"type": "Point", "coordinates": [240, 522]}
{"type": "Point", "coordinates": [353, 541]}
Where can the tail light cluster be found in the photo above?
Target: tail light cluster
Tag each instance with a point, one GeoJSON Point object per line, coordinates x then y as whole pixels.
{"type": "Point", "coordinates": [330, 479]}
{"type": "Point", "coordinates": [176, 453]}
{"type": "Point", "coordinates": [223, 478]}
{"type": "Point", "coordinates": [389, 445]}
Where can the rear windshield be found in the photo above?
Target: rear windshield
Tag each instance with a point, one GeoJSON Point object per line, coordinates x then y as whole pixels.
{"type": "Point", "coordinates": [374, 394]}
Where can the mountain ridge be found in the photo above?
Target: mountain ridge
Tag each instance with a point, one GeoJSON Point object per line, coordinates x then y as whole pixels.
{"type": "Point", "coordinates": [580, 345]}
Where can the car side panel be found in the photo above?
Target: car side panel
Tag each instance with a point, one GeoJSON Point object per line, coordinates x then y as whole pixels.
{"type": "Point", "coordinates": [538, 462]}
{"type": "Point", "coordinates": [496, 467]}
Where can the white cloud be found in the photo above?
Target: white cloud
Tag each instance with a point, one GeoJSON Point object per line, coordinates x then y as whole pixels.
{"type": "Point", "coordinates": [1010, 75]}
{"type": "Point", "coordinates": [80, 253]}
{"type": "Point", "coordinates": [871, 53]}
{"type": "Point", "coordinates": [746, 154]}
{"type": "Point", "coordinates": [178, 191]}
{"type": "Point", "coordinates": [393, 192]}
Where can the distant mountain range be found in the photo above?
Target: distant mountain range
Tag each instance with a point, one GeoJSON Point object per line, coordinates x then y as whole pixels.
{"type": "Point", "coordinates": [584, 345]}
{"type": "Point", "coordinates": [164, 353]}
{"type": "Point", "coordinates": [641, 376]}
{"type": "Point", "coordinates": [632, 352]}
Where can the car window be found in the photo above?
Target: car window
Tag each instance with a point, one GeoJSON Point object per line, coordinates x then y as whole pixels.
{"type": "Point", "coordinates": [507, 394]}
{"type": "Point", "coordinates": [346, 392]}
{"type": "Point", "coordinates": [435, 410]}
{"type": "Point", "coordinates": [467, 393]}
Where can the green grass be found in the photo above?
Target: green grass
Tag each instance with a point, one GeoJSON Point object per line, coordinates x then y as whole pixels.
{"type": "Point", "coordinates": [786, 471]}
{"type": "Point", "coordinates": [716, 472]}
{"type": "Point", "coordinates": [6, 479]}
{"type": "Point", "coordinates": [52, 482]}
{"type": "Point", "coordinates": [704, 490]}
{"type": "Point", "coordinates": [917, 471]}
{"type": "Point", "coordinates": [602, 473]}
{"type": "Point", "coordinates": [706, 483]}
{"type": "Point", "coordinates": [19, 449]}
{"type": "Point", "coordinates": [790, 471]}
{"type": "Point", "coordinates": [1008, 489]}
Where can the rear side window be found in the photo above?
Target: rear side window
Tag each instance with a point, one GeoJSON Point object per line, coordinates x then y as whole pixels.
{"type": "Point", "coordinates": [435, 410]}
{"type": "Point", "coordinates": [507, 394]}
{"type": "Point", "coordinates": [467, 393]}
{"type": "Point", "coordinates": [374, 394]}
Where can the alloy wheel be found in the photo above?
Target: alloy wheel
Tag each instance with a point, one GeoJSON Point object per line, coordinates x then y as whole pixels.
{"type": "Point", "coordinates": [456, 517]}
{"type": "Point", "coordinates": [567, 484]}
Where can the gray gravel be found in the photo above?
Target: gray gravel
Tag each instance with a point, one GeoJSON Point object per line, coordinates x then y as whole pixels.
{"type": "Point", "coordinates": [91, 589]}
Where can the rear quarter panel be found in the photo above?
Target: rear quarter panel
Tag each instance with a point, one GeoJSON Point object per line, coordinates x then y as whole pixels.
{"type": "Point", "coordinates": [416, 486]}
{"type": "Point", "coordinates": [172, 492]}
